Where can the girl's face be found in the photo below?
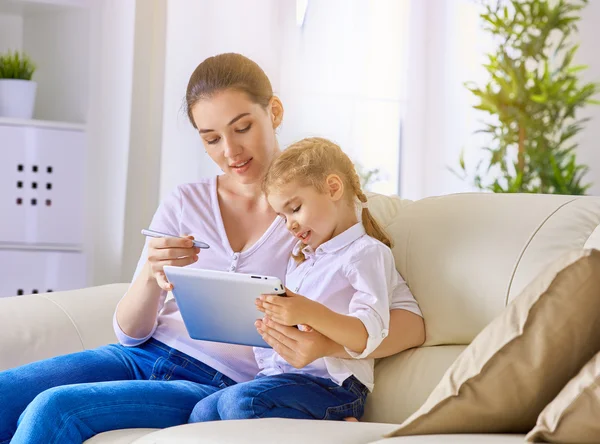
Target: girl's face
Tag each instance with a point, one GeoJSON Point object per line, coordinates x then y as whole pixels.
{"type": "Point", "coordinates": [313, 217]}
{"type": "Point", "coordinates": [238, 134]}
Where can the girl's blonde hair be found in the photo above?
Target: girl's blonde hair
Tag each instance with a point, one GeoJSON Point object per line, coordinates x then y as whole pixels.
{"type": "Point", "coordinates": [309, 162]}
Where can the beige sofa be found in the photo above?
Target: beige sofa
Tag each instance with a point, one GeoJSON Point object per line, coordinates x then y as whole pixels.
{"type": "Point", "coordinates": [464, 256]}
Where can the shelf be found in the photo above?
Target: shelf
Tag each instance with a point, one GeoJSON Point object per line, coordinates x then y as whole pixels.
{"type": "Point", "coordinates": [26, 7]}
{"type": "Point", "coordinates": [41, 247]}
{"type": "Point", "coordinates": [43, 124]}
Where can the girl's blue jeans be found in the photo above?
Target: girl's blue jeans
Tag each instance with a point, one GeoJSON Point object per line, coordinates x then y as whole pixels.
{"type": "Point", "coordinates": [287, 395]}
{"type": "Point", "coordinates": [71, 398]}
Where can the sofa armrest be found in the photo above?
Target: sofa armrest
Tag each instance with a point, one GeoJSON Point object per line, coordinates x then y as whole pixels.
{"type": "Point", "coordinates": [36, 327]}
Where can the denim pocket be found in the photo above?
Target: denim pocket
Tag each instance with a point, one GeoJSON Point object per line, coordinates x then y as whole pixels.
{"type": "Point", "coordinates": [162, 369]}
{"type": "Point", "coordinates": [337, 413]}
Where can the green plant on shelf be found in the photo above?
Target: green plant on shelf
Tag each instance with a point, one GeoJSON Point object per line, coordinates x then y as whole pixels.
{"type": "Point", "coordinates": [16, 65]}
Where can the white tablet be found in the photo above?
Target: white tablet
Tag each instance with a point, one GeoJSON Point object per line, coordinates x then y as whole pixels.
{"type": "Point", "coordinates": [219, 306]}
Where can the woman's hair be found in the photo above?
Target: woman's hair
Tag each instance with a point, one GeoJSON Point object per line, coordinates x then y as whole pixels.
{"type": "Point", "coordinates": [309, 162]}
{"type": "Point", "coordinates": [227, 71]}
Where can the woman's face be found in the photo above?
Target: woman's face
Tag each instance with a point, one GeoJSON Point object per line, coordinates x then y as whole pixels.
{"type": "Point", "coordinates": [238, 134]}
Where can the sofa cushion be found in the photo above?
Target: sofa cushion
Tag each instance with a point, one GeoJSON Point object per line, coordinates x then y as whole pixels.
{"type": "Point", "coordinates": [466, 256]}
{"type": "Point", "coordinates": [270, 431]}
{"type": "Point", "coordinates": [573, 415]}
{"type": "Point", "coordinates": [520, 362]}
{"type": "Point", "coordinates": [404, 381]}
{"type": "Point", "coordinates": [122, 436]}
{"type": "Point", "coordinates": [455, 439]}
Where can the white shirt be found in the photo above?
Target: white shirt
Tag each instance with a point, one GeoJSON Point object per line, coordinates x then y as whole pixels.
{"type": "Point", "coordinates": [194, 209]}
{"type": "Point", "coordinates": [352, 274]}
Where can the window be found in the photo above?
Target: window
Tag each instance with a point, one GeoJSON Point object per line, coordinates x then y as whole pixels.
{"type": "Point", "coordinates": [343, 77]}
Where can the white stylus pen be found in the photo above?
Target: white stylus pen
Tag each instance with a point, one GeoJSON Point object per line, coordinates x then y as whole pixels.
{"type": "Point", "coordinates": [152, 233]}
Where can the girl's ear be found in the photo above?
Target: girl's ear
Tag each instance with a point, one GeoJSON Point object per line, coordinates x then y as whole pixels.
{"type": "Point", "coordinates": [276, 111]}
{"type": "Point", "coordinates": [335, 187]}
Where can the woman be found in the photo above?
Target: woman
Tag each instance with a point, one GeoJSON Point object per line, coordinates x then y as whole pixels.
{"type": "Point", "coordinates": [157, 373]}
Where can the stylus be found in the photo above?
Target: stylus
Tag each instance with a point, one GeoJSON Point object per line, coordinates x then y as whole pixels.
{"type": "Point", "coordinates": [152, 233]}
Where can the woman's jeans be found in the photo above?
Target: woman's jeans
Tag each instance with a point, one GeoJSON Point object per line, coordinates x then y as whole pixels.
{"type": "Point", "coordinates": [287, 395]}
{"type": "Point", "coordinates": [71, 398]}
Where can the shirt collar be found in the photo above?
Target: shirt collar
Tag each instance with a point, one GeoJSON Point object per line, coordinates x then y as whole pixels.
{"type": "Point", "coordinates": [337, 243]}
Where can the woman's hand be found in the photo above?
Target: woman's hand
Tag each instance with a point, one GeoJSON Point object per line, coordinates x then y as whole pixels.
{"type": "Point", "coordinates": [174, 251]}
{"type": "Point", "coordinates": [291, 309]}
{"type": "Point", "coordinates": [298, 348]}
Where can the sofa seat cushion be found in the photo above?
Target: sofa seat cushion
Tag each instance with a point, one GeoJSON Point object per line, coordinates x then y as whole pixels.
{"type": "Point", "coordinates": [125, 436]}
{"type": "Point", "coordinates": [455, 439]}
{"type": "Point", "coordinates": [521, 361]}
{"type": "Point", "coordinates": [271, 431]}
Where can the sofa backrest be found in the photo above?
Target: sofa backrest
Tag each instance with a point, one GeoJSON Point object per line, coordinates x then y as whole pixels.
{"type": "Point", "coordinates": [465, 257]}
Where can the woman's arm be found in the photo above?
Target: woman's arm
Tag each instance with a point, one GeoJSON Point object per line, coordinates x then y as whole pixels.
{"type": "Point", "coordinates": [298, 348]}
{"type": "Point", "coordinates": [137, 311]}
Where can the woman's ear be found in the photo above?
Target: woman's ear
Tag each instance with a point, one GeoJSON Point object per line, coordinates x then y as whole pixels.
{"type": "Point", "coordinates": [276, 111]}
{"type": "Point", "coordinates": [335, 187]}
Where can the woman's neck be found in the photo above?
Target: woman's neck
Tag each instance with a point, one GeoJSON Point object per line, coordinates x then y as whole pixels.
{"type": "Point", "coordinates": [250, 191]}
{"type": "Point", "coordinates": [250, 195]}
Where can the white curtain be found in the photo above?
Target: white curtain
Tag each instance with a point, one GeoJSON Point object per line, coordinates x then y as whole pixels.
{"type": "Point", "coordinates": [447, 46]}
{"type": "Point", "coordinates": [343, 77]}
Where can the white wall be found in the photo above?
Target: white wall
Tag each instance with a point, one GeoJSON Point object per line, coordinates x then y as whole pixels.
{"type": "Point", "coordinates": [63, 80]}
{"type": "Point", "coordinates": [111, 52]}
{"type": "Point", "coordinates": [196, 30]}
{"type": "Point", "coordinates": [11, 32]}
{"type": "Point", "coordinates": [589, 54]}
{"type": "Point", "coordinates": [143, 177]}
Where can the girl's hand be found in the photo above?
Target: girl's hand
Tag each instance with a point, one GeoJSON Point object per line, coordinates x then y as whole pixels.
{"type": "Point", "coordinates": [291, 309]}
{"type": "Point", "coordinates": [174, 251]}
{"type": "Point", "coordinates": [298, 348]}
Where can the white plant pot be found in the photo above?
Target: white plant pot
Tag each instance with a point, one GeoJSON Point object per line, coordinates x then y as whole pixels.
{"type": "Point", "coordinates": [17, 98]}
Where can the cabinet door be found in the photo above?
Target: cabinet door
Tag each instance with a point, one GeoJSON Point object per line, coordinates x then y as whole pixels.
{"type": "Point", "coordinates": [13, 184]}
{"type": "Point", "coordinates": [41, 186]}
{"type": "Point", "coordinates": [30, 272]}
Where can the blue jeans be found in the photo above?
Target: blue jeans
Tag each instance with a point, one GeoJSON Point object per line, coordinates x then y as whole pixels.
{"type": "Point", "coordinates": [288, 395]}
{"type": "Point", "coordinates": [71, 398]}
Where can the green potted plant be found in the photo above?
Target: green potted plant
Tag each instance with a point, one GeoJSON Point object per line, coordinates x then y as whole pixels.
{"type": "Point", "coordinates": [532, 99]}
{"type": "Point", "coordinates": [17, 90]}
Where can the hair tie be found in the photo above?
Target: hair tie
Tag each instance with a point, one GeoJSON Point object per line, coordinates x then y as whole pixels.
{"type": "Point", "coordinates": [365, 204]}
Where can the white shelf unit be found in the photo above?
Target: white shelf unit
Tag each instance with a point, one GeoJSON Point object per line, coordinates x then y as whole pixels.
{"type": "Point", "coordinates": [43, 161]}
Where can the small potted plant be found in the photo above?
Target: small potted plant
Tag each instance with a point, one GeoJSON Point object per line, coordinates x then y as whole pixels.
{"type": "Point", "coordinates": [17, 90]}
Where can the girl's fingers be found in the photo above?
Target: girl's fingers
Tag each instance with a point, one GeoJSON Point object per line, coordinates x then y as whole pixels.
{"type": "Point", "coordinates": [273, 299]}
{"type": "Point", "coordinates": [268, 306]}
{"type": "Point", "coordinates": [259, 307]}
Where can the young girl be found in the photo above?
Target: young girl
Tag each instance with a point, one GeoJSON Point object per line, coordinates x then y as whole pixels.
{"type": "Point", "coordinates": [347, 273]}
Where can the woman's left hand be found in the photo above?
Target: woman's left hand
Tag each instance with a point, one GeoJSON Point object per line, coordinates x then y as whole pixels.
{"type": "Point", "coordinates": [298, 348]}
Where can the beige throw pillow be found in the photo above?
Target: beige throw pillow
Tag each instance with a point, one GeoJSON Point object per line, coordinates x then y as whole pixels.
{"type": "Point", "coordinates": [522, 359]}
{"type": "Point", "coordinates": [574, 415]}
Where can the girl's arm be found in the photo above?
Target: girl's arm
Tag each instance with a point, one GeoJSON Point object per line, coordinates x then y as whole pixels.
{"type": "Point", "coordinates": [407, 330]}
{"type": "Point", "coordinates": [294, 309]}
{"type": "Point", "coordinates": [298, 348]}
{"type": "Point", "coordinates": [373, 279]}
